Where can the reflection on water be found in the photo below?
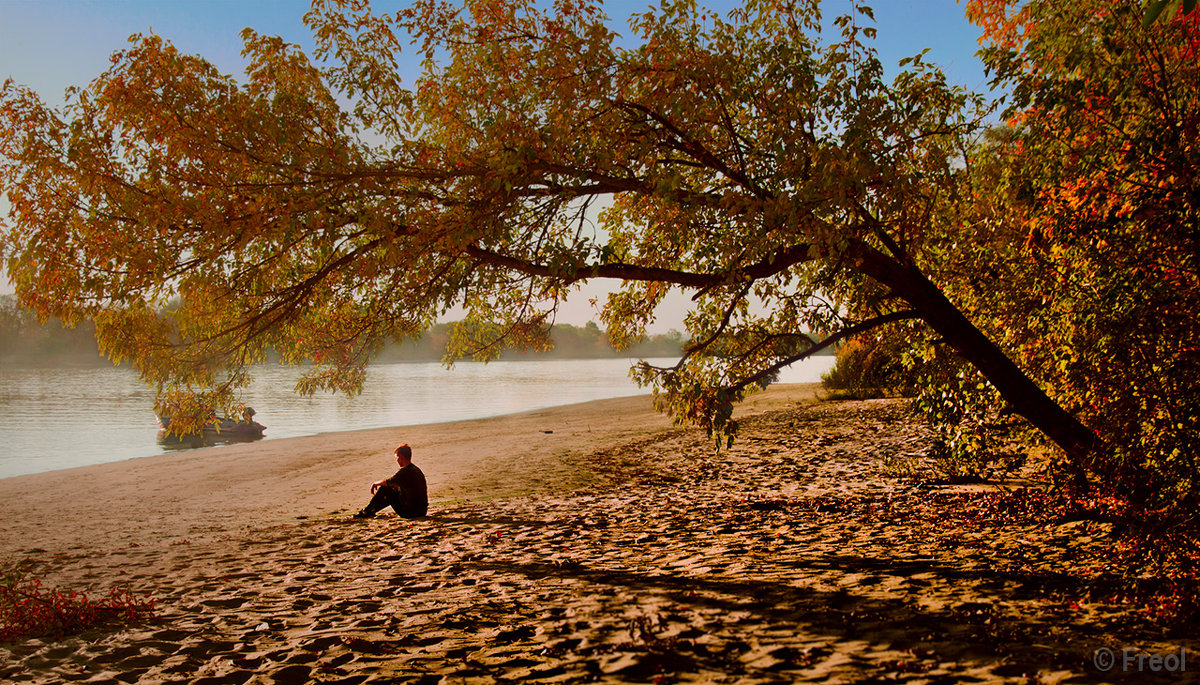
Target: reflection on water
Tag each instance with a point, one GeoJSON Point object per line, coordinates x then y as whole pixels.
{"type": "Point", "coordinates": [54, 419]}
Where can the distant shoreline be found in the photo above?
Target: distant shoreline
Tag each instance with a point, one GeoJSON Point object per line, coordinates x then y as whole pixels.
{"type": "Point", "coordinates": [101, 362]}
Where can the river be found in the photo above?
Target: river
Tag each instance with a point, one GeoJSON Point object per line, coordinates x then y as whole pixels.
{"type": "Point", "coordinates": [58, 418]}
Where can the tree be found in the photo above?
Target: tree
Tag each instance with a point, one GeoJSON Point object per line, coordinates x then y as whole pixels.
{"type": "Point", "coordinates": [776, 177]}
{"type": "Point", "coordinates": [1094, 183]}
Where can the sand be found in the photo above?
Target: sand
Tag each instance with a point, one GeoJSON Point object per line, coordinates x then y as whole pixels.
{"type": "Point", "coordinates": [591, 543]}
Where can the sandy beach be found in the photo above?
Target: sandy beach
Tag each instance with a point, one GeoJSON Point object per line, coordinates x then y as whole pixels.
{"type": "Point", "coordinates": [589, 543]}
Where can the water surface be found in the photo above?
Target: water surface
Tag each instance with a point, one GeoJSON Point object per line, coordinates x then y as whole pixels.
{"type": "Point", "coordinates": [57, 418]}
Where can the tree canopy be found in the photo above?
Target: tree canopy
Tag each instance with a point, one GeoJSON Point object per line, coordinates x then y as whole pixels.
{"type": "Point", "coordinates": [1094, 186]}
{"type": "Point", "coordinates": [321, 207]}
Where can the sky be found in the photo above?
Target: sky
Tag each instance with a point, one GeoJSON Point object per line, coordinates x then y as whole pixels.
{"type": "Point", "coordinates": [49, 45]}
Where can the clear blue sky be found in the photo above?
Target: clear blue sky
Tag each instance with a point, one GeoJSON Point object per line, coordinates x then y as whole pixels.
{"type": "Point", "coordinates": [52, 44]}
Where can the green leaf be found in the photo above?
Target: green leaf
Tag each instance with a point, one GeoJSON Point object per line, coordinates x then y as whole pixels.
{"type": "Point", "coordinates": [1153, 9]}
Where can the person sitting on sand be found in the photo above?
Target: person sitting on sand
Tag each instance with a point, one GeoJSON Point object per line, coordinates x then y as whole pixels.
{"type": "Point", "coordinates": [404, 492]}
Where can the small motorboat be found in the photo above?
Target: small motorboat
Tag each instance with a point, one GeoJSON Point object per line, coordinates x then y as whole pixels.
{"type": "Point", "coordinates": [217, 430]}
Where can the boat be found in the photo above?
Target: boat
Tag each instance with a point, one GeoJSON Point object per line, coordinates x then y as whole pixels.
{"type": "Point", "coordinates": [217, 430]}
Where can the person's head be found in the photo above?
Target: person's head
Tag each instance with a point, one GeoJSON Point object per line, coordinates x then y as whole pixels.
{"type": "Point", "coordinates": [403, 454]}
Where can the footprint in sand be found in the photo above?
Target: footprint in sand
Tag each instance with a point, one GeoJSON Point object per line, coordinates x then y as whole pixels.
{"type": "Point", "coordinates": [230, 603]}
{"type": "Point", "coordinates": [320, 644]}
{"type": "Point", "coordinates": [293, 675]}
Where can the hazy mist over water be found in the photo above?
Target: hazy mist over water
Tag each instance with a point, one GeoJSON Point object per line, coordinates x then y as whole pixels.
{"type": "Point", "coordinates": [58, 418]}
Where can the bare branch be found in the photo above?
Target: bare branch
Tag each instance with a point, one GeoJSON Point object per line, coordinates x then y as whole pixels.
{"type": "Point", "coordinates": [861, 327]}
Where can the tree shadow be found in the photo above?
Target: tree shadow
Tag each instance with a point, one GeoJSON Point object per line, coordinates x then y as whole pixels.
{"type": "Point", "coordinates": [976, 634]}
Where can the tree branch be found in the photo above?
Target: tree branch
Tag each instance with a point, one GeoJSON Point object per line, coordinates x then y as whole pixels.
{"type": "Point", "coordinates": [779, 261]}
{"type": "Point", "coordinates": [860, 327]}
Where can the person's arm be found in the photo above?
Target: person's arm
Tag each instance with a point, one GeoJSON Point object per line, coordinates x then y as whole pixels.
{"type": "Point", "coordinates": [386, 483]}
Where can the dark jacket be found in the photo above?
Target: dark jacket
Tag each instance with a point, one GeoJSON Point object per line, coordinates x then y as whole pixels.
{"type": "Point", "coordinates": [410, 483]}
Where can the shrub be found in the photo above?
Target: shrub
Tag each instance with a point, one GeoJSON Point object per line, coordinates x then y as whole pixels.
{"type": "Point", "coordinates": [866, 368]}
{"type": "Point", "coordinates": [29, 610]}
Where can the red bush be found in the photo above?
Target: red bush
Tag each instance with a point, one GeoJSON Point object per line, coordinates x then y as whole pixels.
{"type": "Point", "coordinates": [29, 610]}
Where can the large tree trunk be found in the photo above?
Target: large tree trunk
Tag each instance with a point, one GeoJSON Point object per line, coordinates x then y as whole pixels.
{"type": "Point", "coordinates": [1017, 388]}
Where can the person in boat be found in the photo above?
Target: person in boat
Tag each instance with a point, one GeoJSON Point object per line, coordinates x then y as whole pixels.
{"type": "Point", "coordinates": [405, 492]}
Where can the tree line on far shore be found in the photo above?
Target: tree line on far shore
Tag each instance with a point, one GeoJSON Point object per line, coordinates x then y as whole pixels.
{"type": "Point", "coordinates": [25, 340]}
{"type": "Point", "coordinates": [569, 342]}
